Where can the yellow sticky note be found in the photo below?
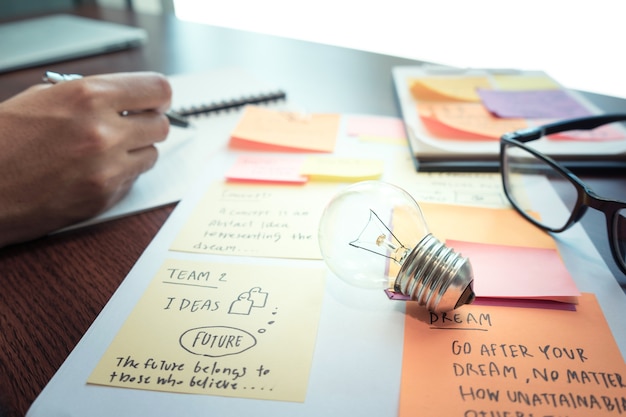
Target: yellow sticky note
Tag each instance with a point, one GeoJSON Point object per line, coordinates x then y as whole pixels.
{"type": "Point", "coordinates": [256, 220]}
{"type": "Point", "coordinates": [271, 130]}
{"type": "Point", "coordinates": [230, 330]}
{"type": "Point", "coordinates": [511, 361]}
{"type": "Point", "coordinates": [319, 168]}
{"type": "Point", "coordinates": [524, 82]}
{"type": "Point", "coordinates": [448, 88]}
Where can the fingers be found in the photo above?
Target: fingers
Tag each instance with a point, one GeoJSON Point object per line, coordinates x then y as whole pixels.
{"type": "Point", "coordinates": [143, 129]}
{"type": "Point", "coordinates": [135, 92]}
{"type": "Point", "coordinates": [76, 154]}
{"type": "Point", "coordinates": [103, 186]}
{"type": "Point", "coordinates": [141, 160]}
{"type": "Point", "coordinates": [135, 156]}
{"type": "Point", "coordinates": [138, 162]}
{"type": "Point", "coordinates": [141, 99]}
{"type": "Point", "coordinates": [123, 117]}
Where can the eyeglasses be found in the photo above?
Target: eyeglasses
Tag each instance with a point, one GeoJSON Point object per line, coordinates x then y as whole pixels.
{"type": "Point", "coordinates": [526, 172]}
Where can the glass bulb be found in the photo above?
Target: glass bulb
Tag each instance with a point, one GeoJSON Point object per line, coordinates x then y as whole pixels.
{"type": "Point", "coordinates": [373, 235]}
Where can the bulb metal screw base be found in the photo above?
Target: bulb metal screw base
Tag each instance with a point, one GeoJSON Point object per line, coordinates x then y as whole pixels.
{"type": "Point", "coordinates": [435, 276]}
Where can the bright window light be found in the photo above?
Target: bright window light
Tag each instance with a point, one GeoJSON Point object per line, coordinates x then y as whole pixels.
{"type": "Point", "coordinates": [577, 43]}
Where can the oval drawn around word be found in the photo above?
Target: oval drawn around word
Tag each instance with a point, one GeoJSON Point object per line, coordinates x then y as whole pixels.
{"type": "Point", "coordinates": [216, 341]}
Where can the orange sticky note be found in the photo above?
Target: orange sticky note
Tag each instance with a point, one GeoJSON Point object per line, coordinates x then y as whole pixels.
{"type": "Point", "coordinates": [441, 130]}
{"type": "Point", "coordinates": [472, 118]}
{"type": "Point", "coordinates": [517, 272]}
{"type": "Point", "coordinates": [448, 88]}
{"type": "Point", "coordinates": [509, 361]}
{"type": "Point", "coordinates": [265, 168]}
{"type": "Point", "coordinates": [483, 225]}
{"type": "Point", "coordinates": [280, 131]}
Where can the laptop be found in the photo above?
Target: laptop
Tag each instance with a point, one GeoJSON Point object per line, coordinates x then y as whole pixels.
{"type": "Point", "coordinates": [61, 37]}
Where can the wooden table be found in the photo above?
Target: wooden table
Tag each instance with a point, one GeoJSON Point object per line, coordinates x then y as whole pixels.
{"type": "Point", "coordinates": [53, 288]}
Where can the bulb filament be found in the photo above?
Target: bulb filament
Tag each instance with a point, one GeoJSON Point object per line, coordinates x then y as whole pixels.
{"type": "Point", "coordinates": [377, 238]}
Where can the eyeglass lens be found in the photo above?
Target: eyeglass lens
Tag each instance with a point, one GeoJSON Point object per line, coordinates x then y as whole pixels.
{"type": "Point", "coordinates": [528, 181]}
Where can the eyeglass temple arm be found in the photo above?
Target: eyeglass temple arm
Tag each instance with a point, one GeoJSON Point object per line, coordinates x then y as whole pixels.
{"type": "Point", "coordinates": [583, 123]}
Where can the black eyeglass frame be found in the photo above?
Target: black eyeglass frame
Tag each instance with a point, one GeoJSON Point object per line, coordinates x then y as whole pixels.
{"type": "Point", "coordinates": [586, 197]}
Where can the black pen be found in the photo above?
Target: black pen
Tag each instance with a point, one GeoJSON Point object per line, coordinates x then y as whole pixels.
{"type": "Point", "coordinates": [55, 78]}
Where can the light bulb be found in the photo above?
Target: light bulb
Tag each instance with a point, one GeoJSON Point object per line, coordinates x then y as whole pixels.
{"type": "Point", "coordinates": [373, 235]}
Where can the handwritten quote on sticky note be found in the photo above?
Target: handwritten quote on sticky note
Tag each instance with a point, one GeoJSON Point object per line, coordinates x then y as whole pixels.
{"type": "Point", "coordinates": [219, 329]}
{"type": "Point", "coordinates": [269, 221]}
{"type": "Point", "coordinates": [504, 361]}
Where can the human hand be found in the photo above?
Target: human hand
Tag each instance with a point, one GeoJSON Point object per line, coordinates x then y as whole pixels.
{"type": "Point", "coordinates": [67, 153]}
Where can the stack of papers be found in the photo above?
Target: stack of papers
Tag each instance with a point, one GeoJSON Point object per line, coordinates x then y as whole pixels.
{"type": "Point", "coordinates": [455, 118]}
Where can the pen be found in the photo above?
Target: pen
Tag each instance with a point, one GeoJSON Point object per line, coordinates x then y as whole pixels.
{"type": "Point", "coordinates": [55, 78]}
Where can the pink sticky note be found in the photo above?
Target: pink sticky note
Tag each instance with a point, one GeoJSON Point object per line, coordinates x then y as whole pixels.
{"type": "Point", "coordinates": [524, 303]}
{"type": "Point", "coordinates": [266, 168]}
{"type": "Point", "coordinates": [517, 272]}
{"type": "Point", "coordinates": [376, 126]}
{"type": "Point", "coordinates": [601, 133]}
{"type": "Point", "coordinates": [532, 104]}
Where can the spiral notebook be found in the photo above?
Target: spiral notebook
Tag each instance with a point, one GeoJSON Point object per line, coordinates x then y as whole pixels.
{"type": "Point", "coordinates": [217, 92]}
{"type": "Point", "coordinates": [211, 101]}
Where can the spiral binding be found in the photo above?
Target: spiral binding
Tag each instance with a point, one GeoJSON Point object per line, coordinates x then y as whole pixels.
{"type": "Point", "coordinates": [234, 104]}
